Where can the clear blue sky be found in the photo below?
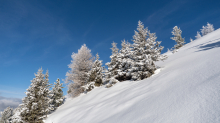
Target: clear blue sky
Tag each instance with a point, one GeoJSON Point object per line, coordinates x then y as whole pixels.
{"type": "Point", "coordinates": [44, 33]}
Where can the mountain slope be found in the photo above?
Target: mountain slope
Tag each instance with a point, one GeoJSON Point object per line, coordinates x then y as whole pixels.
{"type": "Point", "coordinates": [186, 89]}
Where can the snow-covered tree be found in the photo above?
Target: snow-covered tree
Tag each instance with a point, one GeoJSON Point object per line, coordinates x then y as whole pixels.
{"type": "Point", "coordinates": [198, 35]}
{"type": "Point", "coordinates": [126, 62]}
{"type": "Point", "coordinates": [177, 37]}
{"type": "Point", "coordinates": [155, 49]}
{"type": "Point", "coordinates": [16, 118]}
{"type": "Point", "coordinates": [6, 114]}
{"type": "Point", "coordinates": [36, 104]}
{"type": "Point", "coordinates": [191, 40]}
{"type": "Point", "coordinates": [146, 50]}
{"type": "Point", "coordinates": [46, 95]}
{"type": "Point", "coordinates": [96, 73]}
{"type": "Point", "coordinates": [77, 77]}
{"type": "Point", "coordinates": [113, 65]}
{"type": "Point", "coordinates": [134, 61]}
{"type": "Point", "coordinates": [57, 94]}
{"type": "Point", "coordinates": [207, 29]}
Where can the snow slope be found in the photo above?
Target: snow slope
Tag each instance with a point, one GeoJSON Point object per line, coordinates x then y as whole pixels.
{"type": "Point", "coordinates": [186, 89]}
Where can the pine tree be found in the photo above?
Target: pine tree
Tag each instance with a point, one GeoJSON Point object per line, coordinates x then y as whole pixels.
{"type": "Point", "coordinates": [36, 103]}
{"type": "Point", "coordinates": [6, 115]}
{"type": "Point", "coordinates": [77, 77]}
{"type": "Point", "coordinates": [96, 73]}
{"type": "Point", "coordinates": [198, 35]}
{"type": "Point", "coordinates": [207, 29]}
{"type": "Point", "coordinates": [177, 37]}
{"type": "Point", "coordinates": [57, 94]}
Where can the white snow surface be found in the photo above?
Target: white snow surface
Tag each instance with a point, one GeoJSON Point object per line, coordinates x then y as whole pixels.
{"type": "Point", "coordinates": [186, 89]}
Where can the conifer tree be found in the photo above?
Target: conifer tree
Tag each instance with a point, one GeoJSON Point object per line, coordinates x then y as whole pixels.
{"type": "Point", "coordinates": [126, 62]}
{"type": "Point", "coordinates": [96, 73]}
{"type": "Point", "coordinates": [177, 37]}
{"type": "Point", "coordinates": [57, 94]}
{"type": "Point", "coordinates": [146, 50]}
{"type": "Point", "coordinates": [113, 65]}
{"type": "Point", "coordinates": [35, 106]}
{"type": "Point", "coordinates": [155, 49]}
{"type": "Point", "coordinates": [207, 29]}
{"type": "Point", "coordinates": [198, 35]}
{"type": "Point", "coordinates": [191, 40]}
{"type": "Point", "coordinates": [46, 95]}
{"type": "Point", "coordinates": [16, 115]}
{"type": "Point", "coordinates": [77, 77]}
{"type": "Point", "coordinates": [6, 115]}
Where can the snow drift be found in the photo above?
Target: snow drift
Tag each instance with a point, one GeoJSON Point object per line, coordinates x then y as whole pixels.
{"type": "Point", "coordinates": [186, 89]}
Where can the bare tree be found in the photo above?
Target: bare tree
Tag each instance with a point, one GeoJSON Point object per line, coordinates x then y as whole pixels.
{"type": "Point", "coordinates": [77, 77]}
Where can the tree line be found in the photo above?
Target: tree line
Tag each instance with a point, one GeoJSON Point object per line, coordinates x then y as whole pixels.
{"type": "Point", "coordinates": [134, 61]}
{"type": "Point", "coordinates": [38, 103]}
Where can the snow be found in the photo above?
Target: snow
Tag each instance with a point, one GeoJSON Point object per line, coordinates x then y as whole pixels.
{"type": "Point", "coordinates": [185, 89]}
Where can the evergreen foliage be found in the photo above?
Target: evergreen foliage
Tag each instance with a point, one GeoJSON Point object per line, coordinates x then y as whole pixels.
{"type": "Point", "coordinates": [77, 77]}
{"type": "Point", "coordinates": [16, 118]}
{"type": "Point", "coordinates": [89, 86]}
{"type": "Point", "coordinates": [57, 94]}
{"type": "Point", "coordinates": [191, 40]}
{"type": "Point", "coordinates": [135, 61]}
{"type": "Point", "coordinates": [126, 61]}
{"type": "Point", "coordinates": [36, 104]}
{"type": "Point", "coordinates": [96, 73]}
{"type": "Point", "coordinates": [198, 35]}
{"type": "Point", "coordinates": [46, 95]}
{"type": "Point", "coordinates": [177, 37]}
{"type": "Point", "coordinates": [207, 29]}
{"type": "Point", "coordinates": [6, 115]}
{"type": "Point", "coordinates": [113, 65]}
{"type": "Point", "coordinates": [146, 50]}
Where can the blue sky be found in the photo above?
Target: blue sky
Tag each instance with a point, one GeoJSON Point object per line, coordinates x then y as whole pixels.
{"type": "Point", "coordinates": [44, 33]}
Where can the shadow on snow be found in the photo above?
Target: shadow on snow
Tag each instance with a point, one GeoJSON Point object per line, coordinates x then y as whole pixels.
{"type": "Point", "coordinates": [208, 46]}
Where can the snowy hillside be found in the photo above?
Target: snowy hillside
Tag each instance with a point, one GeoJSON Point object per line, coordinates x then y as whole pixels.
{"type": "Point", "coordinates": [186, 89]}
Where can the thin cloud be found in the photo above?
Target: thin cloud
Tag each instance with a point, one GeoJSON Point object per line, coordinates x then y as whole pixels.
{"type": "Point", "coordinates": [6, 102]}
{"type": "Point", "coordinates": [160, 17]}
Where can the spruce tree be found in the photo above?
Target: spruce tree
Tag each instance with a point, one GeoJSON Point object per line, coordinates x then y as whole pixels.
{"type": "Point", "coordinates": [146, 50]}
{"type": "Point", "coordinates": [125, 55]}
{"type": "Point", "coordinates": [155, 48]}
{"type": "Point", "coordinates": [96, 73]}
{"type": "Point", "coordinates": [6, 115]}
{"type": "Point", "coordinates": [113, 65]}
{"type": "Point", "coordinates": [57, 94]}
{"type": "Point", "coordinates": [46, 95]}
{"type": "Point", "coordinates": [36, 103]}
{"type": "Point", "coordinates": [177, 37]}
{"type": "Point", "coordinates": [198, 35]}
{"type": "Point", "coordinates": [207, 29]}
{"type": "Point", "coordinates": [16, 115]}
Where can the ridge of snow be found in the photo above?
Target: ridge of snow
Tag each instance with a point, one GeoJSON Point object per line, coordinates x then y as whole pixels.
{"type": "Point", "coordinates": [186, 90]}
